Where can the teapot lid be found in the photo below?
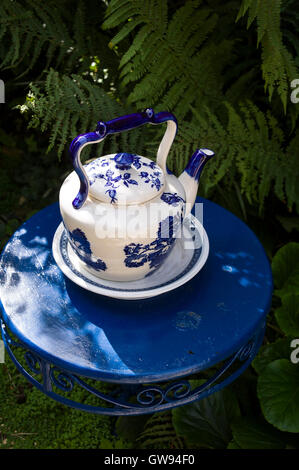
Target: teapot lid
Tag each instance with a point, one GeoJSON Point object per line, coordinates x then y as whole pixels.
{"type": "Point", "coordinates": [124, 178]}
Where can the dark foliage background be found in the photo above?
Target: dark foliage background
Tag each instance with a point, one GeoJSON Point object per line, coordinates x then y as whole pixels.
{"type": "Point", "coordinates": [226, 70]}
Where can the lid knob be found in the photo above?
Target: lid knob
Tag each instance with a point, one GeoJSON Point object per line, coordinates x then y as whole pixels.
{"type": "Point", "coordinates": [123, 160]}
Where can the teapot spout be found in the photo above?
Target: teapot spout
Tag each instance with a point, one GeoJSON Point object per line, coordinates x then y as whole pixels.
{"type": "Point", "coordinates": [190, 176]}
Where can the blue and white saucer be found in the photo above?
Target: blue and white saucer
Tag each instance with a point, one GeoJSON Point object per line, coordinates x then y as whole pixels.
{"type": "Point", "coordinates": [188, 256]}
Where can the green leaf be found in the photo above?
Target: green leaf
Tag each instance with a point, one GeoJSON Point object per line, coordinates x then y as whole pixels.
{"type": "Point", "coordinates": [289, 223]}
{"type": "Point", "coordinates": [129, 427]}
{"type": "Point", "coordinates": [285, 267]}
{"type": "Point", "coordinates": [268, 353]}
{"type": "Point", "coordinates": [250, 433]}
{"type": "Point", "coordinates": [159, 433]}
{"type": "Point", "coordinates": [233, 445]}
{"type": "Point", "coordinates": [287, 315]}
{"type": "Point", "coordinates": [206, 422]}
{"type": "Point", "coordinates": [278, 392]}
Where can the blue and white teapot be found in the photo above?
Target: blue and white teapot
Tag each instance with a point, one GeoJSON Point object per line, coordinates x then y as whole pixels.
{"type": "Point", "coordinates": [122, 212]}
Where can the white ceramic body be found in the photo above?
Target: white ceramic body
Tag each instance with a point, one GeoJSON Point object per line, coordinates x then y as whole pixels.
{"type": "Point", "coordinates": [180, 266]}
{"type": "Point", "coordinates": [123, 242]}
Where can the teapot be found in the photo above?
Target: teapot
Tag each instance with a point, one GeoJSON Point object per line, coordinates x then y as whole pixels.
{"type": "Point", "coordinates": [123, 212]}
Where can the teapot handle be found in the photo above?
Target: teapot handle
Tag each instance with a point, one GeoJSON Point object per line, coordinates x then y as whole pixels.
{"type": "Point", "coordinates": [123, 123]}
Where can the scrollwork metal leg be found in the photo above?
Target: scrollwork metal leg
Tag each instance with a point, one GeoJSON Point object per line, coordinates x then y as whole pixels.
{"type": "Point", "coordinates": [138, 399]}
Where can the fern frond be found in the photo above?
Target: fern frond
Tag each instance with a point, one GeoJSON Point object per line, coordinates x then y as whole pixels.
{"type": "Point", "coordinates": [168, 56]}
{"type": "Point", "coordinates": [137, 43]}
{"type": "Point", "coordinates": [31, 30]}
{"type": "Point", "coordinates": [31, 24]}
{"type": "Point", "coordinates": [278, 65]}
{"type": "Point", "coordinates": [249, 146]}
{"type": "Point", "coordinates": [159, 433]}
{"type": "Point", "coordinates": [69, 105]}
{"type": "Point", "coordinates": [118, 11]}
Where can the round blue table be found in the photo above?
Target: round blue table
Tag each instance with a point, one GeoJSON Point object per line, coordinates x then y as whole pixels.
{"type": "Point", "coordinates": [71, 338]}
